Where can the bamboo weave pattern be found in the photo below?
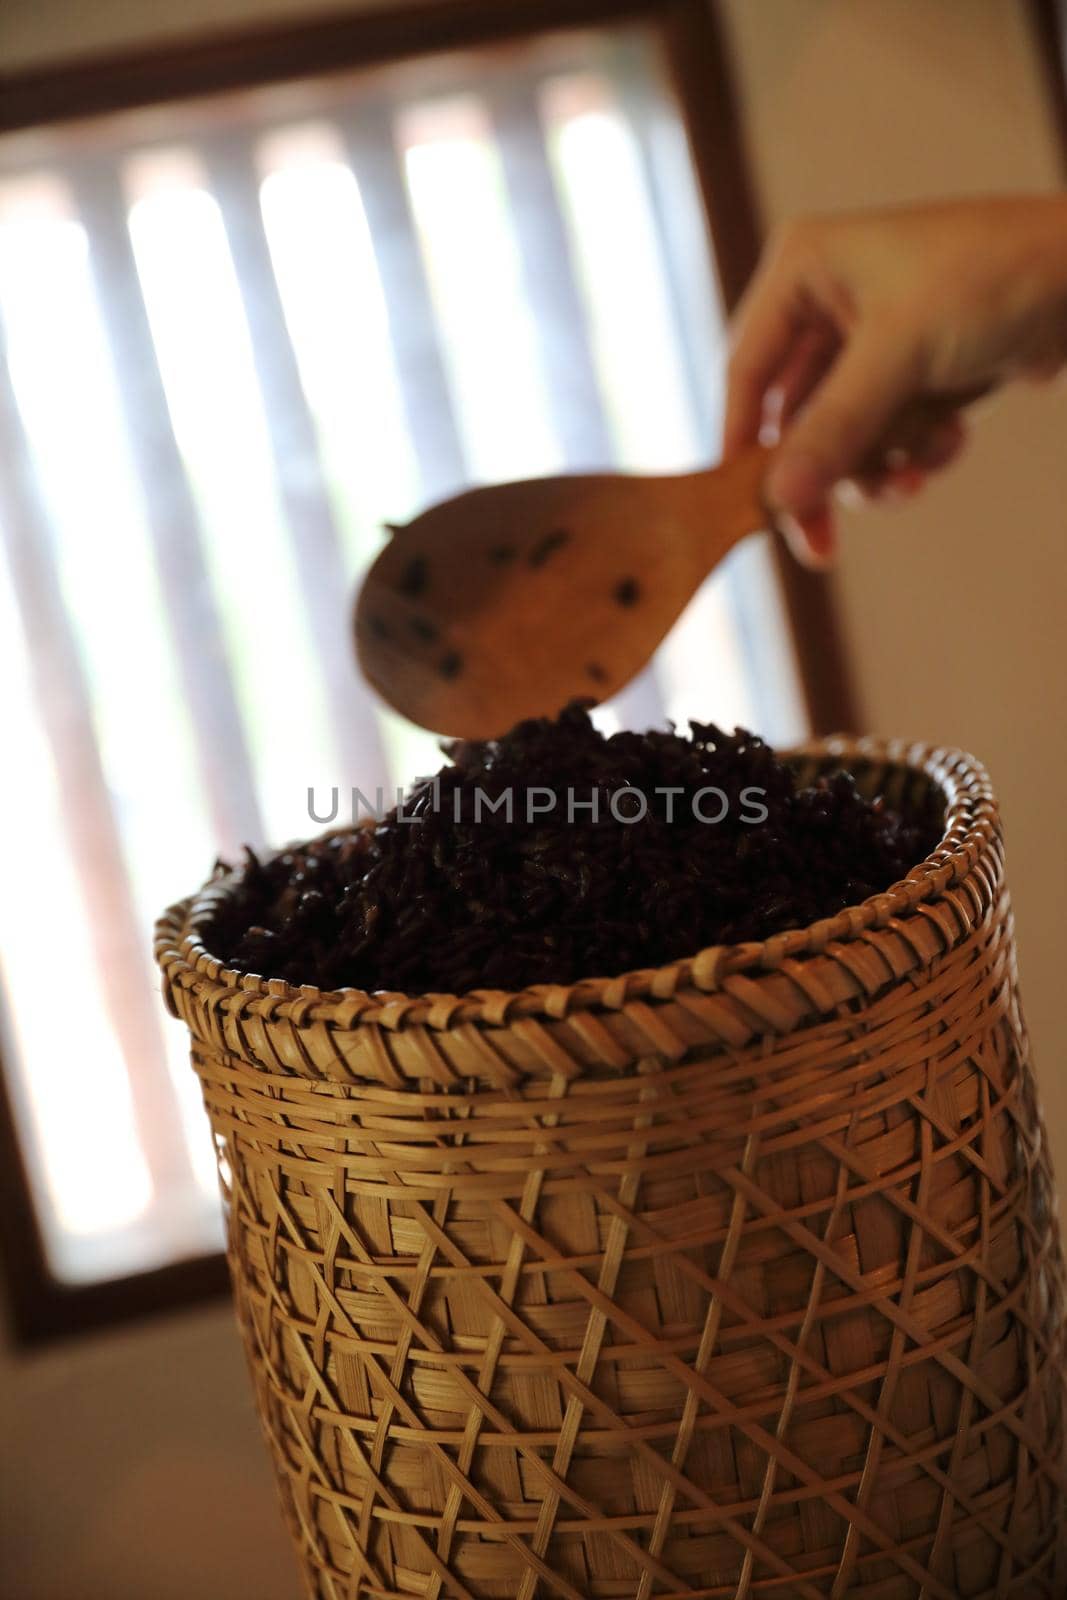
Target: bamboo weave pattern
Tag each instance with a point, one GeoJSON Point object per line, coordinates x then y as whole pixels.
{"type": "Point", "coordinates": [735, 1278]}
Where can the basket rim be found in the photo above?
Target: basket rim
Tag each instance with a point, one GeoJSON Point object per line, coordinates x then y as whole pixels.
{"type": "Point", "coordinates": [970, 834]}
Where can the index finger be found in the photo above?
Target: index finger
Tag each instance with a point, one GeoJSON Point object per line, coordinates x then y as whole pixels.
{"type": "Point", "coordinates": [763, 330]}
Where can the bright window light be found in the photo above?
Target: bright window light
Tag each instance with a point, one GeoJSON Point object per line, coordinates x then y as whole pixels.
{"type": "Point", "coordinates": [91, 1162]}
{"type": "Point", "coordinates": [201, 338]}
{"type": "Point", "coordinates": [87, 1160]}
{"type": "Point", "coordinates": [613, 232]}
{"type": "Point", "coordinates": [488, 332]}
{"type": "Point", "coordinates": [324, 263]}
{"type": "Point", "coordinates": [327, 277]}
{"type": "Point", "coordinates": [63, 380]}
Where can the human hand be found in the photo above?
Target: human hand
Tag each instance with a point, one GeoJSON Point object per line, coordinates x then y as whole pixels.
{"type": "Point", "coordinates": [851, 319]}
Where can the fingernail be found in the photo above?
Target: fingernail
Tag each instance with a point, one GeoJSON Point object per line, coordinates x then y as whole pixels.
{"type": "Point", "coordinates": [821, 535]}
{"type": "Point", "coordinates": [796, 483]}
{"type": "Point", "coordinates": [900, 485]}
{"type": "Point", "coordinates": [813, 541]}
{"type": "Point", "coordinates": [909, 480]}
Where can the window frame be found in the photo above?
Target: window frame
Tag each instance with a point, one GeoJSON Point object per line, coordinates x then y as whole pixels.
{"type": "Point", "coordinates": [40, 1307]}
{"type": "Point", "coordinates": [1049, 28]}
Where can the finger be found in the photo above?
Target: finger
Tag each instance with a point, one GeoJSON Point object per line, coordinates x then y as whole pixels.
{"type": "Point", "coordinates": [873, 376]}
{"type": "Point", "coordinates": [904, 472]}
{"type": "Point", "coordinates": [812, 539]}
{"type": "Point", "coordinates": [941, 445]}
{"type": "Point", "coordinates": [892, 484]}
{"type": "Point", "coordinates": [895, 485]}
{"type": "Point", "coordinates": [1045, 367]}
{"type": "Point", "coordinates": [763, 332]}
{"type": "Point", "coordinates": [814, 352]}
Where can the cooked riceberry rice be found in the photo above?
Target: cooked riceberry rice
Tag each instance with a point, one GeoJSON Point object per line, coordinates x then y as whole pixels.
{"type": "Point", "coordinates": [436, 904]}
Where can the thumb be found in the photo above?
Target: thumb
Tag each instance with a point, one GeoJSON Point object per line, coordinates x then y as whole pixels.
{"type": "Point", "coordinates": [876, 372]}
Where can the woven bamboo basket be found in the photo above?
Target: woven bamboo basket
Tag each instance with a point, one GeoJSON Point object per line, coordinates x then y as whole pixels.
{"type": "Point", "coordinates": [737, 1277]}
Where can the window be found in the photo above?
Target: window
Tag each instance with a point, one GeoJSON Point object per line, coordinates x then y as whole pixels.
{"type": "Point", "coordinates": [242, 333]}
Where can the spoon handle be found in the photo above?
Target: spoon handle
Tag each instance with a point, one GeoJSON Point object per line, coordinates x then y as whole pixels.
{"type": "Point", "coordinates": [722, 504]}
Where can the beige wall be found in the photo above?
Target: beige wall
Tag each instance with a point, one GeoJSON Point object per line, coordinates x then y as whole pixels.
{"type": "Point", "coordinates": [132, 1468]}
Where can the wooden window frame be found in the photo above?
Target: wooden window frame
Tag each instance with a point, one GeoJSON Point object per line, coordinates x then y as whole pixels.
{"type": "Point", "coordinates": [1049, 23]}
{"type": "Point", "coordinates": [40, 1307]}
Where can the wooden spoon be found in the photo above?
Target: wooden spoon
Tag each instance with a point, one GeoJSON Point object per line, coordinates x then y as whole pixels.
{"type": "Point", "coordinates": [506, 602]}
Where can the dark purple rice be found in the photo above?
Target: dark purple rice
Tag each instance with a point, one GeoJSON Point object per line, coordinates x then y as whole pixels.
{"type": "Point", "coordinates": [444, 906]}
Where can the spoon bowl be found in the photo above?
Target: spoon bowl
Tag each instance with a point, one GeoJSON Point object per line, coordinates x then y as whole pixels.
{"type": "Point", "coordinates": [506, 602]}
